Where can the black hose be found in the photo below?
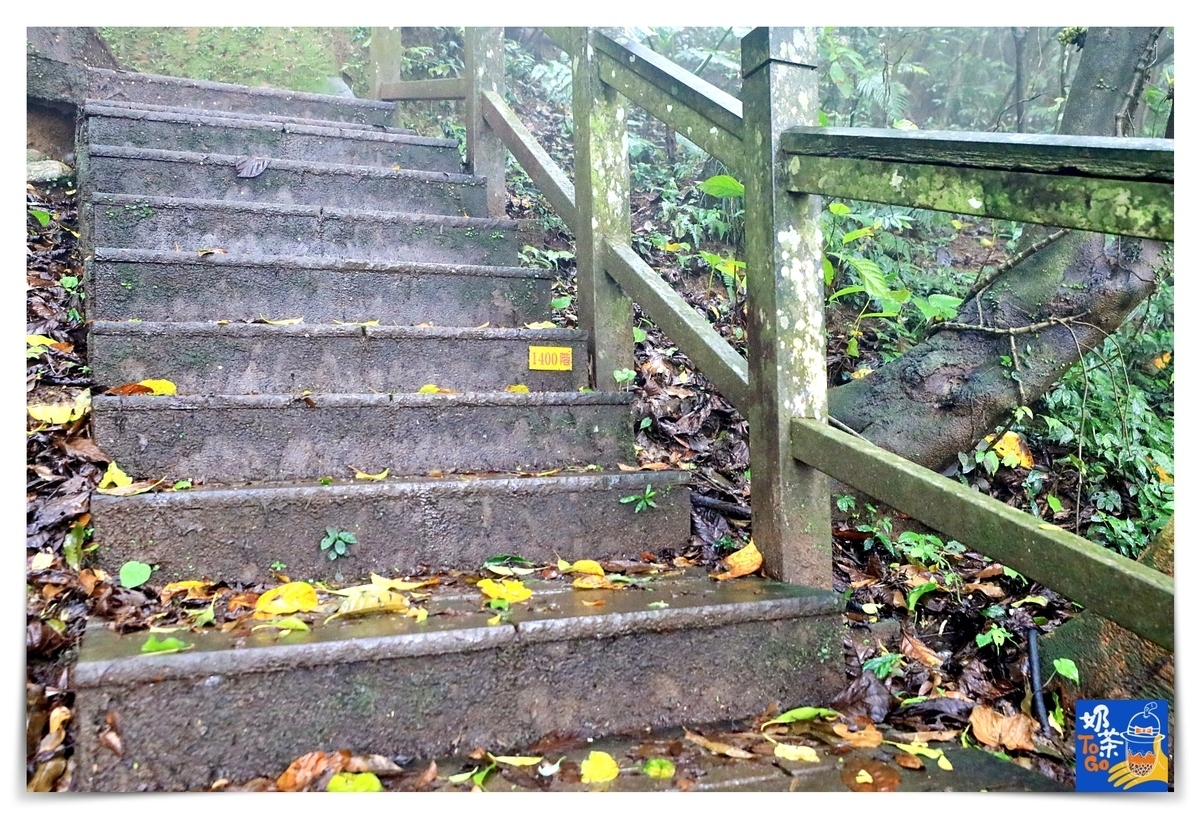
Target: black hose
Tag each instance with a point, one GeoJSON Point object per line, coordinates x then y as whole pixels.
{"type": "Point", "coordinates": [1035, 673]}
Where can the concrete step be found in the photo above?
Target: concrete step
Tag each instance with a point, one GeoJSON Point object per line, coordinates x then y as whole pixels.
{"type": "Point", "coordinates": [200, 131]}
{"type": "Point", "coordinates": [281, 437]}
{"type": "Point", "coordinates": [238, 705]}
{"type": "Point", "coordinates": [156, 89]}
{"type": "Point", "coordinates": [193, 225]}
{"type": "Point", "coordinates": [236, 534]}
{"type": "Point", "coordinates": [356, 127]}
{"type": "Point", "coordinates": [156, 285]}
{"type": "Point", "coordinates": [207, 358]}
{"type": "Point", "coordinates": [119, 169]}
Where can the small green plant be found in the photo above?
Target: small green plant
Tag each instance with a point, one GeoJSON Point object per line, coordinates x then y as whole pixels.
{"type": "Point", "coordinates": [885, 665]}
{"type": "Point", "coordinates": [643, 501]}
{"type": "Point", "coordinates": [337, 543]}
{"type": "Point", "coordinates": [928, 549]}
{"type": "Point", "coordinates": [278, 566]}
{"type": "Point", "coordinates": [560, 303]}
{"type": "Point", "coordinates": [995, 636]}
{"type": "Point", "coordinates": [846, 503]}
{"type": "Point", "coordinates": [623, 377]}
{"type": "Point", "coordinates": [1067, 669]}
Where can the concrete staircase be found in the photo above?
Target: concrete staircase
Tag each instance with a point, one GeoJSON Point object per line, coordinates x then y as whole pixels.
{"type": "Point", "coordinates": [356, 221]}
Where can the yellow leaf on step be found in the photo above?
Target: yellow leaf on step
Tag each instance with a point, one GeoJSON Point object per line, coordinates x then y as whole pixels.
{"type": "Point", "coordinates": [516, 761]}
{"type": "Point", "coordinates": [510, 590]}
{"type": "Point", "coordinates": [159, 387]}
{"type": "Point", "coordinates": [419, 614]}
{"type": "Point", "coordinates": [598, 767]}
{"type": "Point", "coordinates": [281, 322]}
{"type": "Point", "coordinates": [742, 562]}
{"type": "Point", "coordinates": [59, 414]}
{"type": "Point", "coordinates": [864, 777]}
{"type": "Point", "coordinates": [434, 389]}
{"type": "Point", "coordinates": [517, 387]}
{"type": "Point", "coordinates": [400, 584]}
{"type": "Point", "coordinates": [362, 475]}
{"type": "Point", "coordinates": [582, 567]}
{"type": "Point", "coordinates": [292, 597]}
{"type": "Point", "coordinates": [591, 582]}
{"type": "Point", "coordinates": [797, 752]}
{"type": "Point", "coordinates": [113, 476]}
{"type": "Point", "coordinates": [371, 599]}
{"type": "Point", "coordinates": [944, 763]}
{"type": "Point", "coordinates": [496, 620]}
{"type": "Point", "coordinates": [540, 325]}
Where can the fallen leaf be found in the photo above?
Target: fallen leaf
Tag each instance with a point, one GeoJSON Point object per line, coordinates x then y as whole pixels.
{"type": "Point", "coordinates": [944, 763]}
{"type": "Point", "coordinates": [797, 752]}
{"type": "Point", "coordinates": [516, 761]}
{"type": "Point", "coordinates": [801, 714]}
{"type": "Point", "coordinates": [593, 603]}
{"type": "Point", "coordinates": [159, 387]}
{"type": "Point", "coordinates": [1013, 445]}
{"type": "Point", "coordinates": [870, 776]}
{"type": "Point", "coordinates": [517, 387]}
{"type": "Point", "coordinates": [371, 599]}
{"type": "Point", "coordinates": [717, 747]}
{"type": "Point", "coordinates": [510, 590]}
{"type": "Point", "coordinates": [246, 599]}
{"type": "Point", "coordinates": [307, 768]}
{"type": "Point", "coordinates": [208, 251]}
{"type": "Point", "coordinates": [134, 573]}
{"type": "Point", "coordinates": [742, 562]}
{"type": "Point", "coordinates": [541, 325]}
{"type": "Point", "coordinates": [168, 645]}
{"type": "Point", "coordinates": [401, 584]}
{"type": "Point", "coordinates": [1013, 732]}
{"type": "Point", "coordinates": [918, 651]}
{"type": "Point", "coordinates": [288, 598]}
{"type": "Point", "coordinates": [598, 767]}
{"type": "Point", "coordinates": [354, 782]}
{"type": "Point", "coordinates": [288, 624]}
{"type": "Point", "coordinates": [909, 761]}
{"type": "Point", "coordinates": [581, 567]}
{"type": "Point", "coordinates": [434, 389]}
{"type": "Point", "coordinates": [986, 588]}
{"type": "Point", "coordinates": [190, 588]}
{"type": "Point", "coordinates": [279, 323]}
{"type": "Point", "coordinates": [362, 475]}
{"type": "Point", "coordinates": [60, 414]}
{"type": "Point", "coordinates": [248, 167]}
{"type": "Point", "coordinates": [591, 582]}
{"type": "Point", "coordinates": [47, 773]}
{"type": "Point", "coordinates": [866, 737]}
{"type": "Point", "coordinates": [130, 389]}
{"type": "Point", "coordinates": [429, 776]}
{"type": "Point", "coordinates": [41, 561]}
{"type": "Point", "coordinates": [140, 487]}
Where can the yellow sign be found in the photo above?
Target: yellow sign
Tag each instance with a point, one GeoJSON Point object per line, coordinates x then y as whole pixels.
{"type": "Point", "coordinates": [554, 359]}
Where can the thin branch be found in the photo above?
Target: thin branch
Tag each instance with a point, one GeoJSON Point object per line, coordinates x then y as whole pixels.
{"type": "Point", "coordinates": [1124, 117]}
{"type": "Point", "coordinates": [1011, 331]}
{"type": "Point", "coordinates": [837, 424]}
{"type": "Point", "coordinates": [983, 282]}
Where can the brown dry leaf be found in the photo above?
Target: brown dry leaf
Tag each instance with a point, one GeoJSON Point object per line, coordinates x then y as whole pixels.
{"type": "Point", "coordinates": [85, 449]}
{"type": "Point", "coordinates": [682, 562]}
{"type": "Point", "coordinates": [927, 736]}
{"type": "Point", "coordinates": [989, 571]}
{"type": "Point", "coordinates": [986, 588]}
{"type": "Point", "coordinates": [593, 603]}
{"type": "Point", "coordinates": [246, 599]}
{"type": "Point", "coordinates": [909, 761]}
{"type": "Point", "coordinates": [190, 588]}
{"type": "Point", "coordinates": [742, 562]}
{"type": "Point", "coordinates": [380, 765]}
{"type": "Point", "coordinates": [130, 389]}
{"type": "Point", "coordinates": [46, 775]}
{"type": "Point", "coordinates": [866, 736]}
{"type": "Point", "coordinates": [918, 651]}
{"type": "Point", "coordinates": [307, 768]}
{"type": "Point", "coordinates": [1013, 732]}
{"type": "Point", "coordinates": [870, 776]}
{"type": "Point", "coordinates": [718, 747]}
{"type": "Point", "coordinates": [623, 467]}
{"type": "Point", "coordinates": [428, 776]}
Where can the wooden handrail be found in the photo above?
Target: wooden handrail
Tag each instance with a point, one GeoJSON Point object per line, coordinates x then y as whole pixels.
{"type": "Point", "coordinates": [1133, 595]}
{"type": "Point", "coordinates": [452, 88]}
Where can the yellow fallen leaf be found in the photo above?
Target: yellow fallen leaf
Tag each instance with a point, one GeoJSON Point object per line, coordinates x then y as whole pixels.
{"type": "Point", "coordinates": [288, 598]}
{"type": "Point", "coordinates": [797, 752]}
{"type": "Point", "coordinates": [43, 341]}
{"type": "Point", "coordinates": [517, 387]}
{"type": "Point", "coordinates": [861, 373]}
{"type": "Point", "coordinates": [140, 487]}
{"type": "Point", "coordinates": [59, 414]}
{"type": "Point", "coordinates": [362, 475]}
{"type": "Point", "coordinates": [419, 614]}
{"type": "Point", "coordinates": [866, 737]}
{"type": "Point", "coordinates": [434, 389]}
{"type": "Point", "coordinates": [510, 590]}
{"type": "Point", "coordinates": [593, 603]}
{"type": "Point", "coordinates": [371, 599]}
{"type": "Point", "coordinates": [944, 763]}
{"type": "Point", "coordinates": [742, 562]}
{"type": "Point", "coordinates": [113, 476]}
{"type": "Point", "coordinates": [1012, 444]}
{"type": "Point", "coordinates": [191, 588]}
{"type": "Point", "coordinates": [59, 715]}
{"type": "Point", "coordinates": [591, 582]}
{"type": "Point", "coordinates": [1160, 361]}
{"type": "Point", "coordinates": [41, 561]}
{"type": "Point", "coordinates": [581, 567]}
{"type": "Point", "coordinates": [598, 767]}
{"type": "Point", "coordinates": [496, 620]}
{"type": "Point", "coordinates": [718, 747]}
{"type": "Point", "coordinates": [159, 387]}
{"type": "Point", "coordinates": [400, 584]}
{"type": "Point", "coordinates": [288, 624]}
{"type": "Point", "coordinates": [864, 777]}
{"type": "Point", "coordinates": [994, 729]}
{"type": "Point", "coordinates": [374, 322]}
{"type": "Point", "coordinates": [540, 325]}
{"type": "Point", "coordinates": [281, 322]}
{"type": "Point", "coordinates": [516, 761]}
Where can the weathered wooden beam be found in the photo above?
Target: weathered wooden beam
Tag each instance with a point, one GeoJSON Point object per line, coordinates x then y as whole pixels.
{"type": "Point", "coordinates": [385, 58]}
{"type": "Point", "coordinates": [1143, 209]}
{"type": "Point", "coordinates": [699, 111]}
{"type": "Point", "coordinates": [785, 309]}
{"type": "Point", "coordinates": [598, 115]}
{"type": "Point", "coordinates": [483, 61]}
{"type": "Point", "coordinates": [1127, 592]}
{"type": "Point", "coordinates": [454, 88]}
{"type": "Point", "coordinates": [1106, 157]}
{"type": "Point", "coordinates": [532, 157]}
{"type": "Point", "coordinates": [712, 354]}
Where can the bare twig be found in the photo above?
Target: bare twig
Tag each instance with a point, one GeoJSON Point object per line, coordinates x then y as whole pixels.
{"type": "Point", "coordinates": [730, 509]}
{"type": "Point", "coordinates": [837, 424]}
{"type": "Point", "coordinates": [1124, 117]}
{"type": "Point", "coordinates": [1011, 331]}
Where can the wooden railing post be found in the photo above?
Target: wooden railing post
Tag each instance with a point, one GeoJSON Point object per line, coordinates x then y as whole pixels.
{"type": "Point", "coordinates": [484, 64]}
{"type": "Point", "coordinates": [602, 210]}
{"type": "Point", "coordinates": [785, 302]}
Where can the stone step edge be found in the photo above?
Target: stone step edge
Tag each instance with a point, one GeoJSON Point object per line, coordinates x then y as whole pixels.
{"type": "Point", "coordinates": [165, 202]}
{"type": "Point", "coordinates": [315, 168]}
{"type": "Point", "coordinates": [395, 486]}
{"type": "Point", "coordinates": [246, 121]}
{"type": "Point", "coordinates": [219, 329]}
{"type": "Point", "coordinates": [139, 256]}
{"type": "Point", "coordinates": [229, 87]}
{"type": "Point", "coordinates": [155, 403]}
{"type": "Point", "coordinates": [279, 119]}
{"type": "Point", "coordinates": [788, 602]}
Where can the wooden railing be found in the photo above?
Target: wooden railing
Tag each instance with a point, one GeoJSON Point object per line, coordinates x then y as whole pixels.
{"type": "Point", "coordinates": [768, 139]}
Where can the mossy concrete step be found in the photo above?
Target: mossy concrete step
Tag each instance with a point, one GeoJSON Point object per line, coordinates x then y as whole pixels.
{"type": "Point", "coordinates": [199, 225]}
{"type": "Point", "coordinates": [400, 524]}
{"type": "Point", "coordinates": [283, 437]}
{"type": "Point", "coordinates": [257, 116]}
{"type": "Point", "coordinates": [126, 86]}
{"type": "Point", "coordinates": [119, 169]}
{"type": "Point", "coordinates": [239, 705]}
{"type": "Point", "coordinates": [207, 358]}
{"type": "Point", "coordinates": [165, 285]}
{"type": "Point", "coordinates": [200, 131]}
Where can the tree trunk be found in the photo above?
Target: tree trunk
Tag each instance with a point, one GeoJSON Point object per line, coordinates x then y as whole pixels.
{"type": "Point", "coordinates": [944, 394]}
